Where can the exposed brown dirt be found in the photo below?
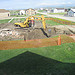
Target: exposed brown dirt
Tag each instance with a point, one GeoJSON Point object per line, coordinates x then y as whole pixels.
{"type": "Point", "coordinates": [32, 34]}
{"type": "Point", "coordinates": [72, 36]}
{"type": "Point", "coordinates": [29, 33]}
{"type": "Point", "coordinates": [37, 32]}
{"type": "Point", "coordinates": [7, 25]}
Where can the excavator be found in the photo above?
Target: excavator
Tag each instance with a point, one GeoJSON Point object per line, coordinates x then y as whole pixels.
{"type": "Point", "coordinates": [29, 22]}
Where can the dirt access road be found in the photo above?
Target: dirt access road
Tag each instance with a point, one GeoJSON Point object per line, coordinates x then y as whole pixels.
{"type": "Point", "coordinates": [2, 18]}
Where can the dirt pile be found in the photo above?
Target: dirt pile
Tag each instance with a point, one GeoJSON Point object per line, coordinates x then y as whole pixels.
{"type": "Point", "coordinates": [61, 29]}
{"type": "Point", "coordinates": [7, 25]}
{"type": "Point", "coordinates": [34, 34]}
{"type": "Point", "coordinates": [8, 34]}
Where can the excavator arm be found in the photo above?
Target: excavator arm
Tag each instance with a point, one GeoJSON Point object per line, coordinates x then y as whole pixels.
{"type": "Point", "coordinates": [26, 23]}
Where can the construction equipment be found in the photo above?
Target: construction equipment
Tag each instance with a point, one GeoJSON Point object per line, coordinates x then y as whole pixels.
{"type": "Point", "coordinates": [24, 24]}
{"type": "Point", "coordinates": [30, 22]}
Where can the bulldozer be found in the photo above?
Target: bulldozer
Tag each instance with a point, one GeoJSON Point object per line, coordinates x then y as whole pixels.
{"type": "Point", "coordinates": [29, 22]}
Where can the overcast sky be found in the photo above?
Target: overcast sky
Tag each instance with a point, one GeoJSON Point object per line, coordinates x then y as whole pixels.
{"type": "Point", "coordinates": [24, 4]}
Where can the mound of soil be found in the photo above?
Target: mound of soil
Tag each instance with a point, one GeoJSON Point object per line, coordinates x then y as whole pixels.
{"type": "Point", "coordinates": [6, 25]}
{"type": "Point", "coordinates": [34, 34]}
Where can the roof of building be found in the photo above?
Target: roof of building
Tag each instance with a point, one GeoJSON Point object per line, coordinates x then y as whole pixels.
{"type": "Point", "coordinates": [60, 8]}
{"type": "Point", "coordinates": [73, 10]}
{"type": "Point", "coordinates": [73, 7]}
{"type": "Point", "coordinates": [22, 10]}
{"type": "Point", "coordinates": [3, 10]}
{"type": "Point", "coordinates": [30, 8]}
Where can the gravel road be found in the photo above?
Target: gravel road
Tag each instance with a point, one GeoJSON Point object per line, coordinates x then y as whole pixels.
{"type": "Point", "coordinates": [1, 18]}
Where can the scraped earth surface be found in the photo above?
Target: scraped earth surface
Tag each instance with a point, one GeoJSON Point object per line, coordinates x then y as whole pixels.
{"type": "Point", "coordinates": [32, 37]}
{"type": "Point", "coordinates": [73, 37]}
{"type": "Point", "coordinates": [9, 32]}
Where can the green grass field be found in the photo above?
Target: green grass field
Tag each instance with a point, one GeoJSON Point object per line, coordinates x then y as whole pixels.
{"type": "Point", "coordinates": [47, 22]}
{"type": "Point", "coordinates": [19, 15]}
{"type": "Point", "coordinates": [60, 23]}
{"type": "Point", "coordinates": [4, 21]}
{"type": "Point", "coordinates": [52, 22]}
{"type": "Point", "coordinates": [12, 11]}
{"type": "Point", "coordinates": [62, 19]}
{"type": "Point", "coordinates": [38, 14]}
{"type": "Point", "coordinates": [16, 19]}
{"type": "Point", "coordinates": [22, 19]}
{"type": "Point", "coordinates": [52, 60]}
{"type": "Point", "coordinates": [58, 13]}
{"type": "Point", "coordinates": [41, 10]}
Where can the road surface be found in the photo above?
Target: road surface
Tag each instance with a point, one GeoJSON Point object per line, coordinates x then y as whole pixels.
{"type": "Point", "coordinates": [59, 16]}
{"type": "Point", "coordinates": [1, 18]}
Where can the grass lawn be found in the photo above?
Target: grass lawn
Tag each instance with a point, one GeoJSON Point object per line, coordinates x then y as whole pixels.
{"type": "Point", "coordinates": [13, 12]}
{"type": "Point", "coordinates": [19, 15]}
{"type": "Point", "coordinates": [22, 19]}
{"type": "Point", "coordinates": [41, 10]}
{"type": "Point", "coordinates": [16, 19]}
{"type": "Point", "coordinates": [52, 22]}
{"type": "Point", "coordinates": [52, 60]}
{"type": "Point", "coordinates": [60, 21]}
{"type": "Point", "coordinates": [58, 13]}
{"type": "Point", "coordinates": [13, 20]}
{"type": "Point", "coordinates": [38, 14]}
{"type": "Point", "coordinates": [4, 21]}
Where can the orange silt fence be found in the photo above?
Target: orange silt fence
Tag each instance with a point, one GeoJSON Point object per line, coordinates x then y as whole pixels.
{"type": "Point", "coordinates": [59, 40]}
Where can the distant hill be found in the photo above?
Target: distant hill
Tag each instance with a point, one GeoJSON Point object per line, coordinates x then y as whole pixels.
{"type": "Point", "coordinates": [57, 6]}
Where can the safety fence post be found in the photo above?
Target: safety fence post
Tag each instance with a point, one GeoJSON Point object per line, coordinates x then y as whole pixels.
{"type": "Point", "coordinates": [59, 40]}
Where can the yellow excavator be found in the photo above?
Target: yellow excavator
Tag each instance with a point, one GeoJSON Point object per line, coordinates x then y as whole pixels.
{"type": "Point", "coordinates": [30, 22]}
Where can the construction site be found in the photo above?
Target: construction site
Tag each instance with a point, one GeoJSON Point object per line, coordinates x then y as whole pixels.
{"type": "Point", "coordinates": [33, 47]}
{"type": "Point", "coordinates": [36, 31]}
{"type": "Point", "coordinates": [37, 37]}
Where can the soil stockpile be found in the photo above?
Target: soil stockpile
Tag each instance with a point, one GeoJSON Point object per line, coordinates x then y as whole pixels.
{"type": "Point", "coordinates": [34, 34]}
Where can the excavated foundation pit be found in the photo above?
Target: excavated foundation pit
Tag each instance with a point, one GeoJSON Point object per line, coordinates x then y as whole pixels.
{"type": "Point", "coordinates": [40, 33]}
{"type": "Point", "coordinates": [9, 32]}
{"type": "Point", "coordinates": [30, 34]}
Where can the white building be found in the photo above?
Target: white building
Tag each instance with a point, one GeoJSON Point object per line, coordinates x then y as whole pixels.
{"type": "Point", "coordinates": [30, 11]}
{"type": "Point", "coordinates": [4, 13]}
{"type": "Point", "coordinates": [58, 10]}
{"type": "Point", "coordinates": [41, 8]}
{"type": "Point", "coordinates": [49, 10]}
{"type": "Point", "coordinates": [22, 12]}
{"type": "Point", "coordinates": [71, 13]}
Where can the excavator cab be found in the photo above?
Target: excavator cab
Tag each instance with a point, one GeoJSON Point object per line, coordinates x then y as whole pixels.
{"type": "Point", "coordinates": [29, 22]}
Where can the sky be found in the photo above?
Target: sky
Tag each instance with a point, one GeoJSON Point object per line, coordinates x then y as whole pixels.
{"type": "Point", "coordinates": [25, 4]}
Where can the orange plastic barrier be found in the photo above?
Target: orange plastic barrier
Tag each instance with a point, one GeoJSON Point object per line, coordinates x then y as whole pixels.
{"type": "Point", "coordinates": [59, 40]}
{"type": "Point", "coordinates": [5, 45]}
{"type": "Point", "coordinates": [60, 21]}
